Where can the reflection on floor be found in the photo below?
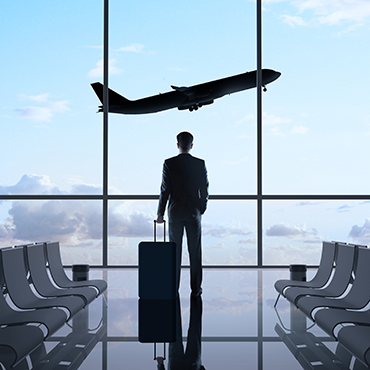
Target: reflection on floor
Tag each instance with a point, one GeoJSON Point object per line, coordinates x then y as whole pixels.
{"type": "Point", "coordinates": [240, 328]}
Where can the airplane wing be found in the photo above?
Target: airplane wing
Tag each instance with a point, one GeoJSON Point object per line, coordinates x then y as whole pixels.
{"type": "Point", "coordinates": [182, 89]}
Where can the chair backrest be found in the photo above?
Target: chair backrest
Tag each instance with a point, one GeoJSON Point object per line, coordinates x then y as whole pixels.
{"type": "Point", "coordinates": [2, 280]}
{"type": "Point", "coordinates": [343, 269]}
{"type": "Point", "coordinates": [55, 263]}
{"type": "Point", "coordinates": [15, 275]}
{"type": "Point", "coordinates": [37, 265]}
{"type": "Point", "coordinates": [328, 257]}
{"type": "Point", "coordinates": [359, 294]}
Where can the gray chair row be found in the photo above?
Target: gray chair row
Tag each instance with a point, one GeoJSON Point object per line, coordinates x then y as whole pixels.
{"type": "Point", "coordinates": [322, 276]}
{"type": "Point", "coordinates": [336, 306]}
{"type": "Point", "coordinates": [48, 300]}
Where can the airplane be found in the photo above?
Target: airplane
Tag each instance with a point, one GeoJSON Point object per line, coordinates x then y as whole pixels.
{"type": "Point", "coordinates": [183, 98]}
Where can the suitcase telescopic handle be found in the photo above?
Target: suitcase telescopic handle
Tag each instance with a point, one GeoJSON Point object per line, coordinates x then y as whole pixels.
{"type": "Point", "coordinates": [155, 230]}
{"type": "Point", "coordinates": [155, 351]}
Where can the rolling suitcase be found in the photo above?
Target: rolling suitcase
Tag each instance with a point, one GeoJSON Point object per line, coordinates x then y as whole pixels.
{"type": "Point", "coordinates": [158, 268]}
{"type": "Point", "coordinates": [157, 320]}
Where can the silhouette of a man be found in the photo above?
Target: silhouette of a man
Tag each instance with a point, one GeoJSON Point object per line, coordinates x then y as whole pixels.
{"type": "Point", "coordinates": [185, 187]}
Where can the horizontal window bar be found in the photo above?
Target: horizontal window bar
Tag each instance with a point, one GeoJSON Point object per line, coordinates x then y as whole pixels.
{"type": "Point", "coordinates": [211, 197]}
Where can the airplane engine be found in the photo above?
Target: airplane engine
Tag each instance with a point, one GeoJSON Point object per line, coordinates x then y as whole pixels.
{"type": "Point", "coordinates": [208, 102]}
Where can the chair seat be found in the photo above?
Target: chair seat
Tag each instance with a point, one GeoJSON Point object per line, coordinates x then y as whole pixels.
{"type": "Point", "coordinates": [17, 342]}
{"type": "Point", "coordinates": [328, 319]}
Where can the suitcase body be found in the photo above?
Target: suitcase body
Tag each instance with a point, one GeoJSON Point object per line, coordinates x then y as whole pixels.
{"type": "Point", "coordinates": [157, 270]}
{"type": "Point", "coordinates": [157, 320]}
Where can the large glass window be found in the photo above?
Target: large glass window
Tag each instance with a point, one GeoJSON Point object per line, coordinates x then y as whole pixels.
{"type": "Point", "coordinates": [55, 162]}
{"type": "Point", "coordinates": [294, 230]}
{"type": "Point", "coordinates": [228, 232]}
{"type": "Point", "coordinates": [316, 118]}
{"type": "Point", "coordinates": [147, 62]}
{"type": "Point", "coordinates": [50, 134]}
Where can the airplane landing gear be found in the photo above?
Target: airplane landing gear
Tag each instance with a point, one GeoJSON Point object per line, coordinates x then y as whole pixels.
{"type": "Point", "coordinates": [195, 107]}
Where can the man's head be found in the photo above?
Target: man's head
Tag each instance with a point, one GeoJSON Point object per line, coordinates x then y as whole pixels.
{"type": "Point", "coordinates": [184, 141]}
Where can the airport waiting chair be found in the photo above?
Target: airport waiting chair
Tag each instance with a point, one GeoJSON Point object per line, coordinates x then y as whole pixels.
{"type": "Point", "coordinates": [358, 296]}
{"type": "Point", "coordinates": [329, 318]}
{"type": "Point", "coordinates": [321, 277]}
{"type": "Point", "coordinates": [338, 284]}
{"type": "Point", "coordinates": [17, 342]}
{"type": "Point", "coordinates": [59, 276]}
{"type": "Point", "coordinates": [357, 340]}
{"type": "Point", "coordinates": [52, 319]}
{"type": "Point", "coordinates": [41, 281]}
{"type": "Point", "coordinates": [20, 292]}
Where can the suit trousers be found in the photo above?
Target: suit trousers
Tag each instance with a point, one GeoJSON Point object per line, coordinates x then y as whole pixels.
{"type": "Point", "coordinates": [191, 358]}
{"type": "Point", "coordinates": [192, 225]}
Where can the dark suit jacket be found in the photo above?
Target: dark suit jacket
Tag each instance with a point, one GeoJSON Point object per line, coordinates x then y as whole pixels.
{"type": "Point", "coordinates": [184, 185]}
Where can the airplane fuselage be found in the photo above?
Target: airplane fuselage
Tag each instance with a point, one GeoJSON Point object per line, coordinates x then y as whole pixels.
{"type": "Point", "coordinates": [183, 98]}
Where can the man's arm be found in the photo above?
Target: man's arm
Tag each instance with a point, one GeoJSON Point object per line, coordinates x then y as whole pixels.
{"type": "Point", "coordinates": [165, 192]}
{"type": "Point", "coordinates": [204, 189]}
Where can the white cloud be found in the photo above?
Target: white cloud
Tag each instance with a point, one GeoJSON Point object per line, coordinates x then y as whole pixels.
{"type": "Point", "coordinates": [299, 130]}
{"type": "Point", "coordinates": [293, 21]}
{"type": "Point", "coordinates": [252, 241]}
{"type": "Point", "coordinates": [31, 184]}
{"type": "Point", "coordinates": [283, 229]}
{"type": "Point", "coordinates": [272, 119]}
{"type": "Point", "coordinates": [134, 224]}
{"type": "Point", "coordinates": [38, 114]}
{"type": "Point", "coordinates": [275, 121]}
{"type": "Point", "coordinates": [46, 110]}
{"type": "Point", "coordinates": [223, 231]}
{"type": "Point", "coordinates": [329, 12]}
{"type": "Point", "coordinates": [97, 72]}
{"type": "Point", "coordinates": [344, 208]}
{"type": "Point", "coordinates": [307, 203]}
{"type": "Point", "coordinates": [39, 98]}
{"type": "Point", "coordinates": [288, 253]}
{"type": "Point", "coordinates": [276, 131]}
{"type": "Point", "coordinates": [133, 48]}
{"type": "Point", "coordinates": [247, 118]}
{"type": "Point", "coordinates": [70, 222]}
{"type": "Point", "coordinates": [361, 234]}
{"type": "Point", "coordinates": [335, 11]}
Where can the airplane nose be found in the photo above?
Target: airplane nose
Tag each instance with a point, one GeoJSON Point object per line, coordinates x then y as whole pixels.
{"type": "Point", "coordinates": [269, 75]}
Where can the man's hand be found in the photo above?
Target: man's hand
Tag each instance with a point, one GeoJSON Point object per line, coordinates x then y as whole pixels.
{"type": "Point", "coordinates": [160, 219]}
{"type": "Point", "coordinates": [160, 360]}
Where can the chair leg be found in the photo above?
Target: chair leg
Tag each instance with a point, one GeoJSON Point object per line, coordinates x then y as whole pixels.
{"type": "Point", "coordinates": [105, 301]}
{"type": "Point", "coordinates": [277, 299]}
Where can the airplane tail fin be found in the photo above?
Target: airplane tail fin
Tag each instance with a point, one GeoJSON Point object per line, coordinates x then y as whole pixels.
{"type": "Point", "coordinates": [114, 98]}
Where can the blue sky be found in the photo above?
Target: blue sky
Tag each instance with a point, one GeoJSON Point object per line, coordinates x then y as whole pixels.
{"type": "Point", "coordinates": [316, 118]}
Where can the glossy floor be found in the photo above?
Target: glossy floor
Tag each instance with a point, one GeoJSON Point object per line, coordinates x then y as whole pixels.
{"type": "Point", "coordinates": [240, 327]}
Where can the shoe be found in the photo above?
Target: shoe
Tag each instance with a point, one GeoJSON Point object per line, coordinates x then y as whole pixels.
{"type": "Point", "coordinates": [198, 293]}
